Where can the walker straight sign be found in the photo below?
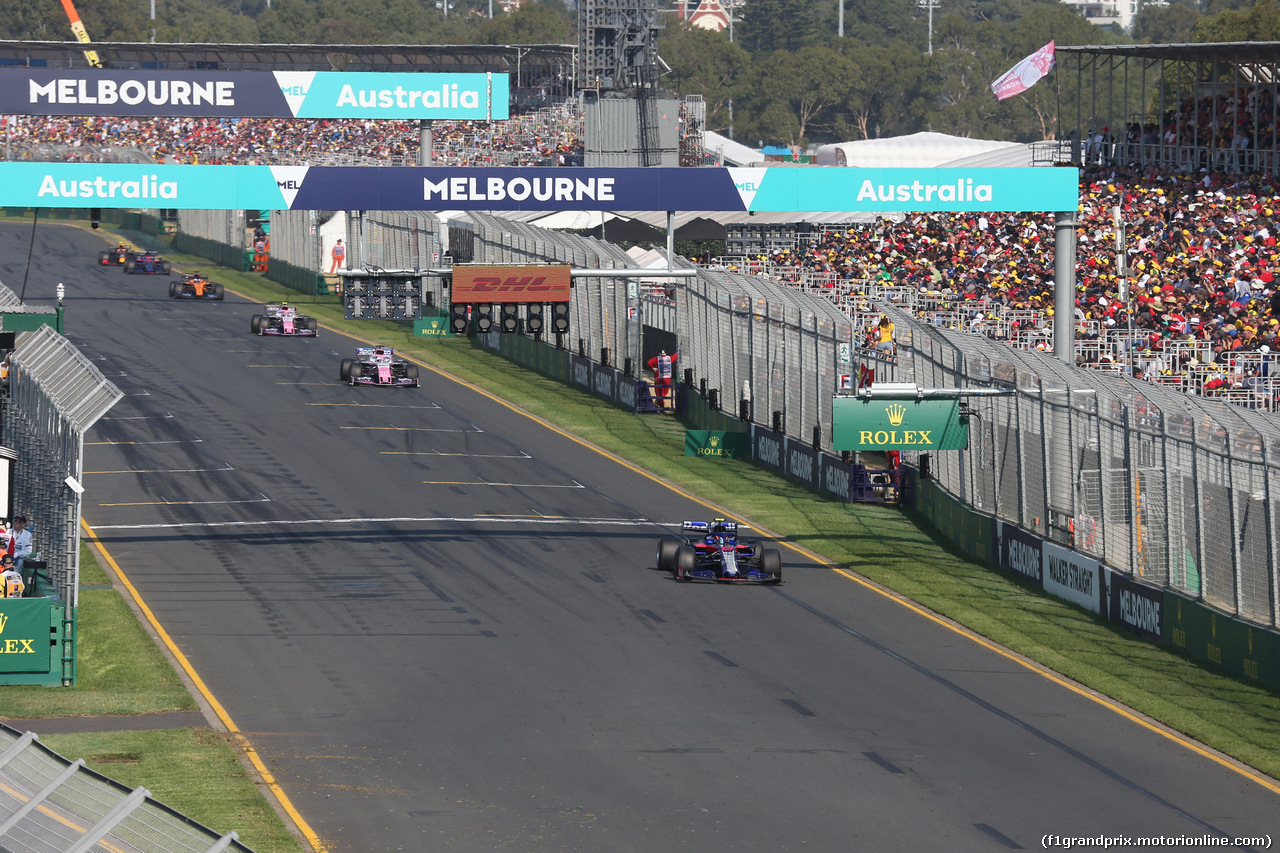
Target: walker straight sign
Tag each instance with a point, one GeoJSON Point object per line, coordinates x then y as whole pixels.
{"type": "Point", "coordinates": [862, 424]}
{"type": "Point", "coordinates": [253, 94]}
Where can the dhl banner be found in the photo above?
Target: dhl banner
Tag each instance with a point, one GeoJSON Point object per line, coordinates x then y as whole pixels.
{"type": "Point", "coordinates": [486, 283]}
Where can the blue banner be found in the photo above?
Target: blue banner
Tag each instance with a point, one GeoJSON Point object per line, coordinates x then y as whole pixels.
{"type": "Point", "coordinates": [254, 94]}
{"type": "Point", "coordinates": [457, 188]}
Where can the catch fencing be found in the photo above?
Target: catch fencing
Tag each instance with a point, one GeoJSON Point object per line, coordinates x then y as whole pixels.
{"type": "Point", "coordinates": [51, 805]}
{"type": "Point", "coordinates": [55, 395]}
{"type": "Point", "coordinates": [1171, 489]}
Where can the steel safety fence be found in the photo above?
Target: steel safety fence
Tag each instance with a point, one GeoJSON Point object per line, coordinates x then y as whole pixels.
{"type": "Point", "coordinates": [55, 395]}
{"type": "Point", "coordinates": [295, 238]}
{"type": "Point", "coordinates": [49, 804]}
{"type": "Point", "coordinates": [1176, 490]}
{"type": "Point", "coordinates": [221, 226]}
{"type": "Point", "coordinates": [393, 239]}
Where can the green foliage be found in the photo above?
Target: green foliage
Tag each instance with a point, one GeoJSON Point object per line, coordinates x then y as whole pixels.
{"type": "Point", "coordinates": [1172, 24]}
{"type": "Point", "coordinates": [1261, 22]}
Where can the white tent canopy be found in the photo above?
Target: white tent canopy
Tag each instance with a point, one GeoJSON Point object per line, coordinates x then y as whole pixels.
{"type": "Point", "coordinates": [924, 150]}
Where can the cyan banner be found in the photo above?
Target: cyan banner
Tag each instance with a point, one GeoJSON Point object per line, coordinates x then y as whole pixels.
{"type": "Point", "coordinates": [817, 189]}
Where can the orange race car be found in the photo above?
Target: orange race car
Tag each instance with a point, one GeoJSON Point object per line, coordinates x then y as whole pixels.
{"type": "Point", "coordinates": [195, 286]}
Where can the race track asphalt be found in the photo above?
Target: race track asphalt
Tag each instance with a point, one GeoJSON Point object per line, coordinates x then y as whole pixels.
{"type": "Point", "coordinates": [440, 624]}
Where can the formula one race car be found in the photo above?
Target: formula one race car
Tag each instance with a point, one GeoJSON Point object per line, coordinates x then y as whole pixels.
{"type": "Point", "coordinates": [377, 366]}
{"type": "Point", "coordinates": [280, 319]}
{"type": "Point", "coordinates": [147, 263]}
{"type": "Point", "coordinates": [116, 257]}
{"type": "Point", "coordinates": [195, 286]}
{"type": "Point", "coordinates": [713, 552]}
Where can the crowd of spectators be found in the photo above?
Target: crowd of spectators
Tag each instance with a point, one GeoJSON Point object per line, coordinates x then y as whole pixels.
{"type": "Point", "coordinates": [1204, 274]}
{"type": "Point", "coordinates": [549, 136]}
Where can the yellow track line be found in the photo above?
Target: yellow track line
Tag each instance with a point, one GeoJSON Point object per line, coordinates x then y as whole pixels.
{"type": "Point", "coordinates": [268, 779]}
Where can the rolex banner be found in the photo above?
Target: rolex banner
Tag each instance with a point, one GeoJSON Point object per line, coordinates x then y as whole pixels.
{"type": "Point", "coordinates": [878, 425]}
{"type": "Point", "coordinates": [717, 444]}
{"type": "Point", "coordinates": [29, 636]}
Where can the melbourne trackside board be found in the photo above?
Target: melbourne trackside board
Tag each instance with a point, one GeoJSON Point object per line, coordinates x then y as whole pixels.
{"type": "Point", "coordinates": [489, 283]}
{"type": "Point", "coordinates": [253, 94]}
{"type": "Point", "coordinates": [458, 188]}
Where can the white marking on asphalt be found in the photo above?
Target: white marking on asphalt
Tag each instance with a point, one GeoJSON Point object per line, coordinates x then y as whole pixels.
{"type": "Point", "coordinates": [263, 499]}
{"type": "Point", "coordinates": [162, 471]}
{"type": "Point", "coordinates": [439, 453]}
{"type": "Point", "coordinates": [513, 485]}
{"type": "Point", "coordinates": [175, 441]}
{"type": "Point", "coordinates": [139, 417]}
{"type": "Point", "coordinates": [615, 522]}
{"type": "Point", "coordinates": [413, 429]}
{"type": "Point", "coordinates": [298, 366]}
{"type": "Point", "coordinates": [374, 405]}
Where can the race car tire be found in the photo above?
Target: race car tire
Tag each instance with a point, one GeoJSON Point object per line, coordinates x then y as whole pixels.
{"type": "Point", "coordinates": [411, 372]}
{"type": "Point", "coordinates": [166, 268]}
{"type": "Point", "coordinates": [173, 289]}
{"type": "Point", "coordinates": [218, 292]}
{"type": "Point", "coordinates": [312, 325]}
{"type": "Point", "coordinates": [356, 371]}
{"type": "Point", "coordinates": [667, 547]}
{"type": "Point", "coordinates": [104, 258]}
{"type": "Point", "coordinates": [255, 323]}
{"type": "Point", "coordinates": [344, 369]}
{"type": "Point", "coordinates": [685, 562]}
{"type": "Point", "coordinates": [771, 563]}
{"type": "Point", "coordinates": [128, 266]}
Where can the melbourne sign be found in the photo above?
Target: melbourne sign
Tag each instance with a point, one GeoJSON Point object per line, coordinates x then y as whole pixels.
{"type": "Point", "coordinates": [1020, 552]}
{"type": "Point", "coordinates": [253, 94]}
{"type": "Point", "coordinates": [864, 424]}
{"type": "Point", "coordinates": [119, 185]}
{"type": "Point", "coordinates": [716, 444]}
{"type": "Point", "coordinates": [487, 283]}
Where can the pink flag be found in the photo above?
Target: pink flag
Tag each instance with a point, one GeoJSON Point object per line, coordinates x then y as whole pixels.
{"type": "Point", "coordinates": [1025, 74]}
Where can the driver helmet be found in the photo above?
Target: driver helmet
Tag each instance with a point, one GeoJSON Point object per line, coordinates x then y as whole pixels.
{"type": "Point", "coordinates": [717, 526]}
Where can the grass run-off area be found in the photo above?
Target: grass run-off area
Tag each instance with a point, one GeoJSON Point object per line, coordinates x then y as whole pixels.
{"type": "Point", "coordinates": [883, 544]}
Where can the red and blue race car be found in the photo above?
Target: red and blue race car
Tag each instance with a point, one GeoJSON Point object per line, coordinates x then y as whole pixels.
{"type": "Point", "coordinates": [378, 366]}
{"type": "Point", "coordinates": [148, 263]}
{"type": "Point", "coordinates": [713, 552]}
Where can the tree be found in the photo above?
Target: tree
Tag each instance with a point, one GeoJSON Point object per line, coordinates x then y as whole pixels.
{"type": "Point", "coordinates": [1261, 22]}
{"type": "Point", "coordinates": [770, 25]}
{"type": "Point", "coordinates": [1172, 24]}
{"type": "Point", "coordinates": [541, 22]}
{"type": "Point", "coordinates": [706, 63]}
{"type": "Point", "coordinates": [795, 93]}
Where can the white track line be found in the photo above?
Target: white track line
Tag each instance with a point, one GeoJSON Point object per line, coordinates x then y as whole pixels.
{"type": "Point", "coordinates": [175, 441]}
{"type": "Point", "coordinates": [162, 471]}
{"type": "Point", "coordinates": [139, 417]}
{"type": "Point", "coordinates": [414, 429]}
{"type": "Point", "coordinates": [439, 453]}
{"type": "Point", "coordinates": [162, 502]}
{"type": "Point", "coordinates": [219, 525]}
{"type": "Point", "coordinates": [513, 485]}
{"type": "Point", "coordinates": [374, 406]}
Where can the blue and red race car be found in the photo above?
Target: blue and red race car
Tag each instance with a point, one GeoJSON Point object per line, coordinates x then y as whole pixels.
{"type": "Point", "coordinates": [713, 552]}
{"type": "Point", "coordinates": [378, 366]}
{"type": "Point", "coordinates": [116, 257]}
{"type": "Point", "coordinates": [148, 263]}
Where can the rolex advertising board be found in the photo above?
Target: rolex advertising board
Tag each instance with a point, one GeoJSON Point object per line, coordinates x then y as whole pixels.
{"type": "Point", "coordinates": [863, 424]}
{"type": "Point", "coordinates": [716, 444]}
{"type": "Point", "coordinates": [30, 637]}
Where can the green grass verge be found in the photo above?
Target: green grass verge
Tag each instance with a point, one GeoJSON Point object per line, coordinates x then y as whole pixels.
{"type": "Point", "coordinates": [194, 771]}
{"type": "Point", "coordinates": [1239, 718]}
